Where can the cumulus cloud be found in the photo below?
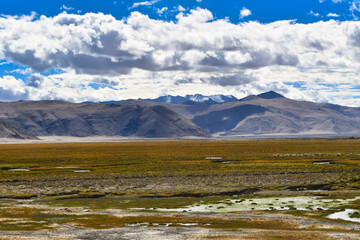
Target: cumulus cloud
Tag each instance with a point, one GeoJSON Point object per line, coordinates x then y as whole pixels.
{"type": "Point", "coordinates": [35, 80]}
{"type": "Point", "coordinates": [245, 12]}
{"type": "Point", "coordinates": [332, 15]}
{"type": "Point", "coordinates": [232, 79]}
{"type": "Point", "coordinates": [132, 55]}
{"type": "Point", "coordinates": [12, 89]}
{"type": "Point", "coordinates": [100, 44]}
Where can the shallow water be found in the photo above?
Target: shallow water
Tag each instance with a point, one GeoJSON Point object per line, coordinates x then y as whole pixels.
{"type": "Point", "coordinates": [19, 170]}
{"type": "Point", "coordinates": [345, 215]}
{"type": "Point", "coordinates": [81, 171]}
{"type": "Point", "coordinates": [271, 203]}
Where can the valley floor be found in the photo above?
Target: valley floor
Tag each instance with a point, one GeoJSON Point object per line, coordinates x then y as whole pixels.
{"type": "Point", "coordinates": [235, 189]}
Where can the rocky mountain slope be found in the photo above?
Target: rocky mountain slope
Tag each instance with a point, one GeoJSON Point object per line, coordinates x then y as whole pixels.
{"type": "Point", "coordinates": [268, 113]}
{"type": "Point", "coordinates": [44, 118]}
{"type": "Point", "coordinates": [8, 130]}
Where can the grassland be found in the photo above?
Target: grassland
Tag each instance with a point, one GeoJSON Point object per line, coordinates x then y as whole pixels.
{"type": "Point", "coordinates": [47, 186]}
{"type": "Point", "coordinates": [180, 166]}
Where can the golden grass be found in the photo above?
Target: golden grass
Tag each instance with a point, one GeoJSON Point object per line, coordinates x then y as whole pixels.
{"type": "Point", "coordinates": [255, 160]}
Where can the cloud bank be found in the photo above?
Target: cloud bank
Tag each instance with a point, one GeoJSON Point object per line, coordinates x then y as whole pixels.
{"type": "Point", "coordinates": [197, 52]}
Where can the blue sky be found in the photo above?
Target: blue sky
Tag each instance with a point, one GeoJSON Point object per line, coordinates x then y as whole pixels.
{"type": "Point", "coordinates": [95, 50]}
{"type": "Point", "coordinates": [262, 10]}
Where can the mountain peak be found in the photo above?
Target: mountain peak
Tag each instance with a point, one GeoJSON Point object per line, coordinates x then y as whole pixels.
{"type": "Point", "coordinates": [270, 95]}
{"type": "Point", "coordinates": [194, 98]}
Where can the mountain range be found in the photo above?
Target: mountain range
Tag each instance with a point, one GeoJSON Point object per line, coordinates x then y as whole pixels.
{"type": "Point", "coordinates": [60, 118]}
{"type": "Point", "coordinates": [267, 113]}
{"type": "Point", "coordinates": [174, 116]}
{"type": "Point", "coordinates": [187, 100]}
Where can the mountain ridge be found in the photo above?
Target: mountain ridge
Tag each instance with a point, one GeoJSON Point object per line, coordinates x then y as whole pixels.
{"type": "Point", "coordinates": [263, 114]}
{"type": "Point", "coordinates": [60, 118]}
{"type": "Point", "coordinates": [279, 115]}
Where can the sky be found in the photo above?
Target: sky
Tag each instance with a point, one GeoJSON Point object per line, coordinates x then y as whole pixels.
{"type": "Point", "coordinates": [101, 50]}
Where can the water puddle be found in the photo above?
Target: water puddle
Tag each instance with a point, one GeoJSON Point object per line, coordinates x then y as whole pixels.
{"type": "Point", "coordinates": [147, 224]}
{"type": "Point", "coordinates": [345, 215]}
{"type": "Point", "coordinates": [66, 167]}
{"type": "Point", "coordinates": [19, 170]}
{"type": "Point", "coordinates": [322, 163]}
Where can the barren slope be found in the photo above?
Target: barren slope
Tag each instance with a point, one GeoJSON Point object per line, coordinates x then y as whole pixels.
{"type": "Point", "coordinates": [60, 118]}
{"type": "Point", "coordinates": [8, 130]}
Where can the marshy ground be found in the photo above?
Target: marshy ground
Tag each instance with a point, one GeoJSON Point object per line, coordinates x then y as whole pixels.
{"type": "Point", "coordinates": [258, 189]}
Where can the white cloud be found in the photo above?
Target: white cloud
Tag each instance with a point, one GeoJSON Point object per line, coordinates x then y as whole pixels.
{"type": "Point", "coordinates": [64, 7]}
{"type": "Point", "coordinates": [314, 14]}
{"type": "Point", "coordinates": [181, 8]}
{"type": "Point", "coordinates": [332, 15]}
{"type": "Point", "coordinates": [245, 12]}
{"type": "Point", "coordinates": [12, 89]}
{"type": "Point", "coordinates": [145, 3]}
{"type": "Point", "coordinates": [25, 71]}
{"type": "Point", "coordinates": [334, 1]}
{"type": "Point", "coordinates": [355, 5]}
{"type": "Point", "coordinates": [195, 53]}
{"type": "Point", "coordinates": [160, 11]}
